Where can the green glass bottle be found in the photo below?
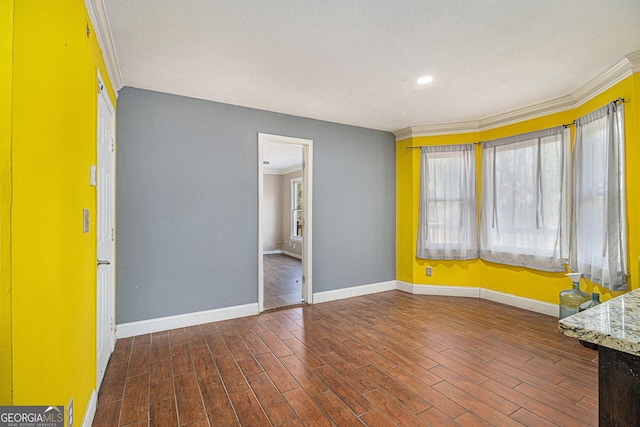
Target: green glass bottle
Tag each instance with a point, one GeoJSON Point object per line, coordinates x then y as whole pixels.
{"type": "Point", "coordinates": [595, 300]}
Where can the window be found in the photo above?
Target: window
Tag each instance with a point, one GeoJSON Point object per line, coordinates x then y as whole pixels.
{"type": "Point", "coordinates": [598, 229]}
{"type": "Point", "coordinates": [448, 210]}
{"type": "Point", "coordinates": [523, 200]}
{"type": "Point", "coordinates": [296, 208]}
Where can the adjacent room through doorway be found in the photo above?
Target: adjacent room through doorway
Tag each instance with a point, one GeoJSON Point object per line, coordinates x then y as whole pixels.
{"type": "Point", "coordinates": [284, 216]}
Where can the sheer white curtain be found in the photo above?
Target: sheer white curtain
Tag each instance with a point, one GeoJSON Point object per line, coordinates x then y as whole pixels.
{"type": "Point", "coordinates": [598, 228]}
{"type": "Point", "coordinates": [523, 195]}
{"type": "Point", "coordinates": [448, 210]}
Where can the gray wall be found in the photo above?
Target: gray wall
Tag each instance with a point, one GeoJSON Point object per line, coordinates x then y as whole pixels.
{"type": "Point", "coordinates": [187, 213]}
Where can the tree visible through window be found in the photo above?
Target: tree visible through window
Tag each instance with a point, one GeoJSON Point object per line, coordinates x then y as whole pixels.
{"type": "Point", "coordinates": [296, 208]}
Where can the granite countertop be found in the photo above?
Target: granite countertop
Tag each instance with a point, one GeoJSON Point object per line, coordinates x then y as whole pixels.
{"type": "Point", "coordinates": [614, 324]}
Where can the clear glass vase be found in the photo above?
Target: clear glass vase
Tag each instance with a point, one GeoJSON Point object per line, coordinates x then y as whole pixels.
{"type": "Point", "coordinates": [571, 299]}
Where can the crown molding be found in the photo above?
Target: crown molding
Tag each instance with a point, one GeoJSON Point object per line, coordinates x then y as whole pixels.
{"type": "Point", "coordinates": [634, 58]}
{"type": "Point", "coordinates": [531, 112]}
{"type": "Point", "coordinates": [275, 171]}
{"type": "Point", "coordinates": [441, 129]}
{"type": "Point", "coordinates": [100, 22]}
{"type": "Point", "coordinates": [402, 134]}
{"type": "Point", "coordinates": [614, 75]}
{"type": "Point", "coordinates": [290, 169]}
{"type": "Point", "coordinates": [624, 68]}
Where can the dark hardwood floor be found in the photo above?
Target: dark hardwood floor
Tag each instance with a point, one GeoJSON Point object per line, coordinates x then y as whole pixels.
{"type": "Point", "coordinates": [282, 281]}
{"type": "Point", "coordinates": [380, 360]}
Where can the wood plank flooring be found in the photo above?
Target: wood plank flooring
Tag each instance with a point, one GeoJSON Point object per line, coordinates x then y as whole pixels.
{"type": "Point", "coordinates": [282, 281]}
{"type": "Point", "coordinates": [380, 360]}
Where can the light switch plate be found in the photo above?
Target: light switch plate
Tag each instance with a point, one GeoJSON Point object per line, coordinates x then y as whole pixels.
{"type": "Point", "coordinates": [85, 221]}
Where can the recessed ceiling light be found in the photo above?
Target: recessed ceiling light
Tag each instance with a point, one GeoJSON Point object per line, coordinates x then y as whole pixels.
{"type": "Point", "coordinates": [425, 79]}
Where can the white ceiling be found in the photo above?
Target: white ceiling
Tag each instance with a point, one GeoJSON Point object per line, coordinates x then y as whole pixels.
{"type": "Point", "coordinates": [282, 158]}
{"type": "Point", "coordinates": [356, 61]}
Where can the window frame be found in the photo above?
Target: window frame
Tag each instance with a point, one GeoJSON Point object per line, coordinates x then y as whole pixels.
{"type": "Point", "coordinates": [431, 194]}
{"type": "Point", "coordinates": [529, 255]}
{"type": "Point", "coordinates": [295, 209]}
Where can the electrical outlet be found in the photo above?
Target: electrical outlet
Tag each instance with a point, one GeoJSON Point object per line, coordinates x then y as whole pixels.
{"type": "Point", "coordinates": [427, 272]}
{"type": "Point", "coordinates": [70, 413]}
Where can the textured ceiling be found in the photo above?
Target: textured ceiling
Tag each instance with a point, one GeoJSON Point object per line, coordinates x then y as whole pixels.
{"type": "Point", "coordinates": [357, 61]}
{"type": "Point", "coordinates": [281, 157]}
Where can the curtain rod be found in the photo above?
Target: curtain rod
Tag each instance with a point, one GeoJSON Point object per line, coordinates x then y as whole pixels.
{"type": "Point", "coordinates": [416, 147]}
{"type": "Point", "coordinates": [619, 100]}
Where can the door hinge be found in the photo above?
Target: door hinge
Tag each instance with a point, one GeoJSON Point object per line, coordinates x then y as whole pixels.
{"type": "Point", "coordinates": [100, 86]}
{"type": "Point", "coordinates": [303, 280]}
{"type": "Point", "coordinates": [113, 234]}
{"type": "Point", "coordinates": [304, 165]}
{"type": "Point", "coordinates": [111, 146]}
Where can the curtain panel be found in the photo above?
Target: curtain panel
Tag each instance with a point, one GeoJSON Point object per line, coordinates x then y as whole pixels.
{"type": "Point", "coordinates": [523, 200]}
{"type": "Point", "coordinates": [598, 227]}
{"type": "Point", "coordinates": [448, 209]}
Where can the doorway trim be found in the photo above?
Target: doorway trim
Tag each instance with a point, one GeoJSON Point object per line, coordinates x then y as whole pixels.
{"type": "Point", "coordinates": [307, 208]}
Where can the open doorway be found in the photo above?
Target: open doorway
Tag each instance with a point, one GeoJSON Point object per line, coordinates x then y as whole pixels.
{"type": "Point", "coordinates": [284, 247]}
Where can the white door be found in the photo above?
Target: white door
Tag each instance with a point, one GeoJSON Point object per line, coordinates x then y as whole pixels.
{"type": "Point", "coordinates": [105, 293]}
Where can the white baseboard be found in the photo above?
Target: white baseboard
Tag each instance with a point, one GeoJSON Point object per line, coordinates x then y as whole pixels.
{"type": "Point", "coordinates": [521, 302]}
{"type": "Point", "coordinates": [404, 287]}
{"type": "Point", "coordinates": [470, 292]}
{"type": "Point", "coordinates": [282, 251]}
{"type": "Point", "coordinates": [124, 330]}
{"type": "Point", "coordinates": [87, 419]}
{"type": "Point", "coordinates": [449, 291]}
{"type": "Point", "coordinates": [291, 254]}
{"type": "Point", "coordinates": [142, 327]}
{"type": "Point", "coordinates": [355, 291]}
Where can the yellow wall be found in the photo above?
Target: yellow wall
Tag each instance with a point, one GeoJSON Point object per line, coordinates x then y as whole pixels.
{"type": "Point", "coordinates": [409, 268]}
{"type": "Point", "coordinates": [6, 54]}
{"type": "Point", "coordinates": [521, 282]}
{"type": "Point", "coordinates": [53, 263]}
